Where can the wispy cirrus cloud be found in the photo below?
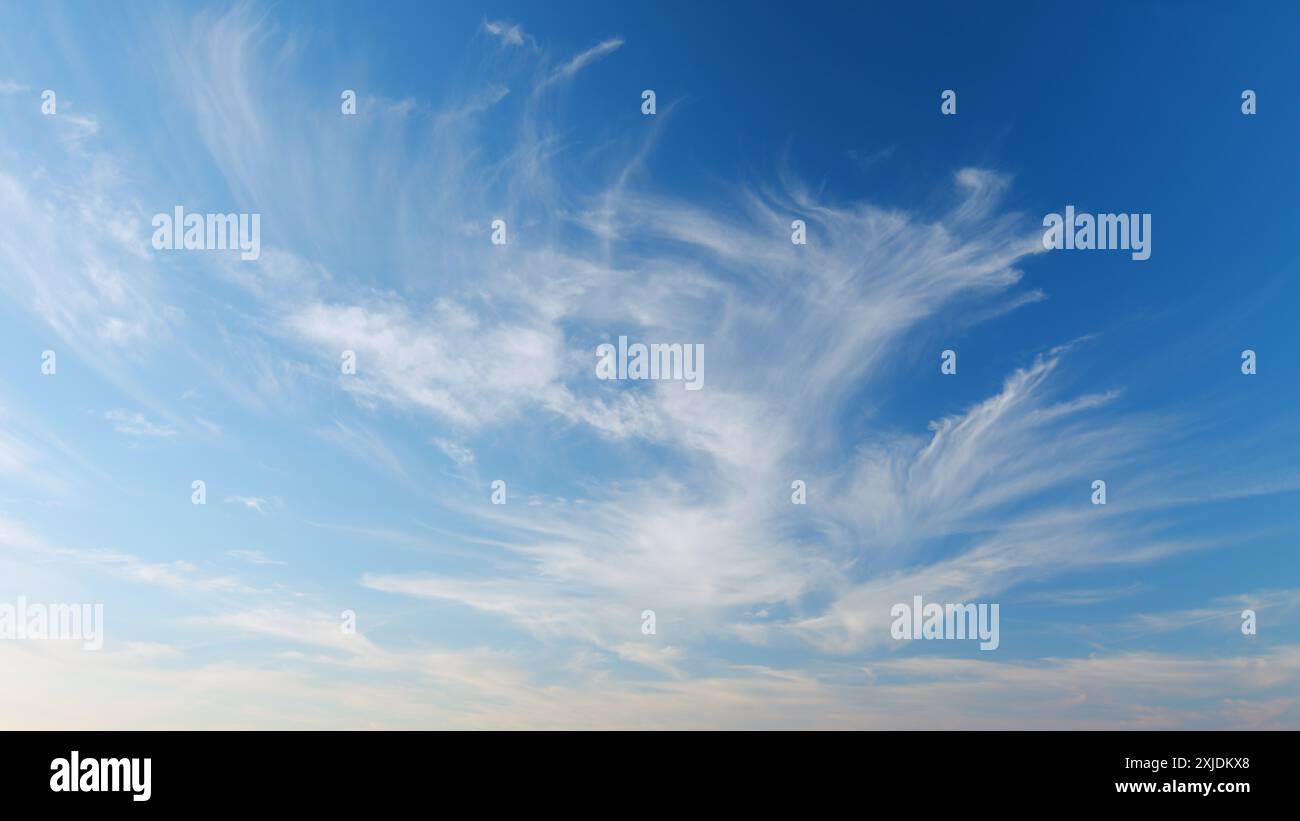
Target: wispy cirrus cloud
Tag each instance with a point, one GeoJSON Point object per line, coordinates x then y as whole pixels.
{"type": "Point", "coordinates": [510, 334]}
{"type": "Point", "coordinates": [136, 424]}
{"type": "Point", "coordinates": [511, 34]}
{"type": "Point", "coordinates": [258, 504]}
{"type": "Point", "coordinates": [253, 557]}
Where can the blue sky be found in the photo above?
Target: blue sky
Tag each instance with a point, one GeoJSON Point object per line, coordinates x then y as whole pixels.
{"type": "Point", "coordinates": [371, 492]}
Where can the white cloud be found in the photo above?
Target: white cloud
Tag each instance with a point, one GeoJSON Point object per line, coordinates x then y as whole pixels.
{"type": "Point", "coordinates": [253, 557]}
{"type": "Point", "coordinates": [258, 503]}
{"type": "Point", "coordinates": [461, 455]}
{"type": "Point", "coordinates": [509, 33]}
{"type": "Point", "coordinates": [176, 575]}
{"type": "Point", "coordinates": [135, 424]}
{"type": "Point", "coordinates": [581, 61]}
